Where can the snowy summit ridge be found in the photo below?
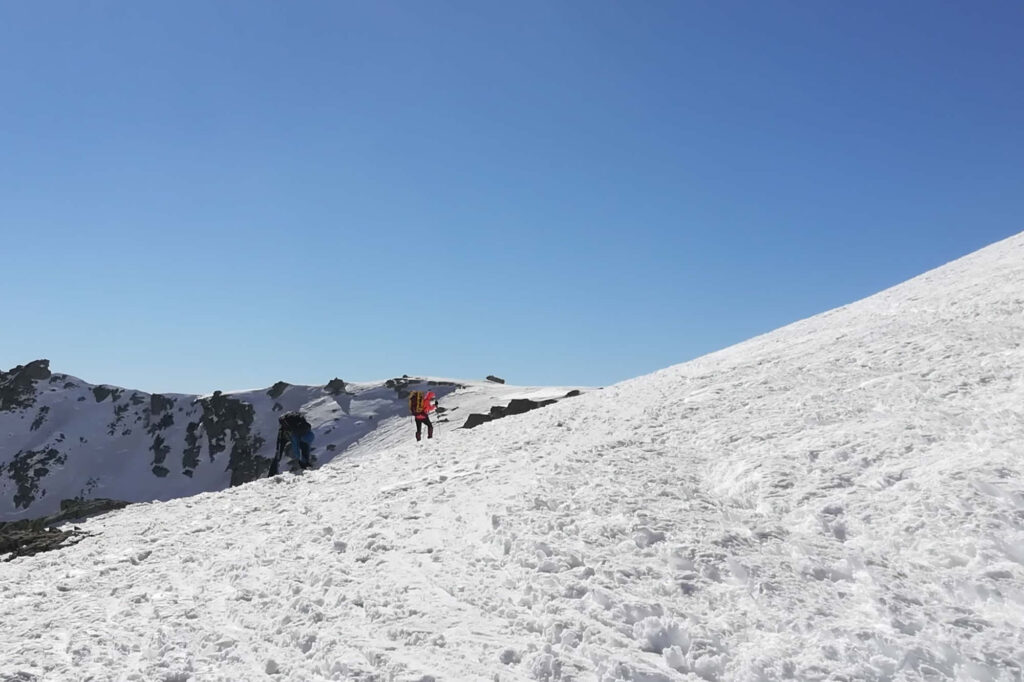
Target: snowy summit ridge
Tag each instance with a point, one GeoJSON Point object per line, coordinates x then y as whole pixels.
{"type": "Point", "coordinates": [839, 499]}
{"type": "Point", "coordinates": [68, 439]}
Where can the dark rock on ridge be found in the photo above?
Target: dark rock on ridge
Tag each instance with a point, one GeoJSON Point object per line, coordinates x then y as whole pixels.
{"type": "Point", "coordinates": [102, 392]}
{"type": "Point", "coordinates": [401, 385]}
{"type": "Point", "coordinates": [27, 468]}
{"type": "Point", "coordinates": [25, 538]}
{"type": "Point", "coordinates": [515, 406]}
{"type": "Point", "coordinates": [476, 420]}
{"type": "Point", "coordinates": [159, 403]}
{"type": "Point", "coordinates": [335, 386]}
{"type": "Point", "coordinates": [17, 386]}
{"type": "Point", "coordinates": [277, 389]}
{"type": "Point", "coordinates": [224, 416]}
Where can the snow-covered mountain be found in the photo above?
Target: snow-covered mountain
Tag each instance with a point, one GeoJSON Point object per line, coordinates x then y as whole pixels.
{"type": "Point", "coordinates": [842, 499]}
{"type": "Point", "coordinates": [62, 438]}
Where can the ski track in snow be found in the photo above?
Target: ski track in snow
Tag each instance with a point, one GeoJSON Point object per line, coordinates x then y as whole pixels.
{"type": "Point", "coordinates": [841, 499]}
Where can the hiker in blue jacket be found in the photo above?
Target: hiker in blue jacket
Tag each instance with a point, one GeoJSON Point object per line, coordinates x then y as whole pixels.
{"type": "Point", "coordinates": [295, 435]}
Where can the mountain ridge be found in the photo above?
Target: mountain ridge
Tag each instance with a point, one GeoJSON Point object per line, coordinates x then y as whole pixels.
{"type": "Point", "coordinates": [842, 498]}
{"type": "Point", "coordinates": [69, 439]}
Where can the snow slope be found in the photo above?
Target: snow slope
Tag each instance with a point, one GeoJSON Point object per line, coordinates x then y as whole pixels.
{"type": "Point", "coordinates": [840, 499]}
{"type": "Point", "coordinates": [63, 438]}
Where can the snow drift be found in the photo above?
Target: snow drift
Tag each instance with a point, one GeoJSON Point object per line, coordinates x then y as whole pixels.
{"type": "Point", "coordinates": [839, 499]}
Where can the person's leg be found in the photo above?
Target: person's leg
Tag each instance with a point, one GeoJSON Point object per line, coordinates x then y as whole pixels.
{"type": "Point", "coordinates": [305, 446]}
{"type": "Point", "coordinates": [419, 428]}
{"type": "Point", "coordinates": [282, 444]}
{"type": "Point", "coordinates": [430, 427]}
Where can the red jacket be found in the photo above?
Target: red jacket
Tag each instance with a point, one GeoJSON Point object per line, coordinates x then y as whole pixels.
{"type": "Point", "coordinates": [429, 403]}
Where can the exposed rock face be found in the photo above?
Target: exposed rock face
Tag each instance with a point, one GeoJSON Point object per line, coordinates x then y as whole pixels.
{"type": "Point", "coordinates": [335, 386]}
{"type": "Point", "coordinates": [521, 405]}
{"type": "Point", "coordinates": [115, 429]}
{"type": "Point", "coordinates": [16, 543]}
{"type": "Point", "coordinates": [17, 387]}
{"type": "Point", "coordinates": [494, 379]}
{"type": "Point", "coordinates": [401, 385]}
{"type": "Point", "coordinates": [224, 416]}
{"type": "Point", "coordinates": [26, 469]}
{"type": "Point", "coordinates": [277, 389]}
{"type": "Point", "coordinates": [25, 538]}
{"type": "Point", "coordinates": [158, 404]}
{"type": "Point", "coordinates": [476, 420]}
{"type": "Point", "coordinates": [64, 438]}
{"type": "Point", "coordinates": [515, 406]}
{"type": "Point", "coordinates": [101, 393]}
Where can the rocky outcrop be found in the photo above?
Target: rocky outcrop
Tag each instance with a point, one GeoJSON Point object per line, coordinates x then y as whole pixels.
{"type": "Point", "coordinates": [16, 543]}
{"type": "Point", "coordinates": [277, 389]}
{"type": "Point", "coordinates": [18, 386]}
{"type": "Point", "coordinates": [401, 385]}
{"type": "Point", "coordinates": [101, 393]}
{"type": "Point", "coordinates": [27, 468]}
{"type": "Point", "coordinates": [521, 405]}
{"type": "Point", "coordinates": [476, 419]}
{"type": "Point", "coordinates": [494, 379]}
{"type": "Point", "coordinates": [25, 538]}
{"type": "Point", "coordinates": [158, 404]}
{"type": "Point", "coordinates": [224, 416]}
{"type": "Point", "coordinates": [515, 406]}
{"type": "Point", "coordinates": [335, 386]}
{"type": "Point", "coordinates": [66, 438]}
{"type": "Point", "coordinates": [107, 423]}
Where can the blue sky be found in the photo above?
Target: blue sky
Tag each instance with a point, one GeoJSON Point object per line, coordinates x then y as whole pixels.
{"type": "Point", "coordinates": [202, 195]}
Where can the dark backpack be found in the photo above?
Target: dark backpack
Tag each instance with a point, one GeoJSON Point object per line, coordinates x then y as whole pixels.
{"type": "Point", "coordinates": [294, 422]}
{"type": "Point", "coordinates": [416, 402]}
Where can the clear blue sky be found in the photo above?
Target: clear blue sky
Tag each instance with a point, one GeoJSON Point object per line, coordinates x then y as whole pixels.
{"type": "Point", "coordinates": [198, 195]}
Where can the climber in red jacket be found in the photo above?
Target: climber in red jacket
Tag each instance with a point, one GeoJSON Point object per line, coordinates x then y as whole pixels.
{"type": "Point", "coordinates": [421, 405]}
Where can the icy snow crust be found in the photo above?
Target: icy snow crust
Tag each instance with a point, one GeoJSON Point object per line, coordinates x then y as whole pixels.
{"type": "Point", "coordinates": [840, 499]}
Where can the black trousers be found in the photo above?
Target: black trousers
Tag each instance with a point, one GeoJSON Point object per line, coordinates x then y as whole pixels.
{"type": "Point", "coordinates": [419, 427]}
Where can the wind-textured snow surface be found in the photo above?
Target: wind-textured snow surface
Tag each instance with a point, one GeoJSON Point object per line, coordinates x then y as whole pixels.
{"type": "Point", "coordinates": [841, 499]}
